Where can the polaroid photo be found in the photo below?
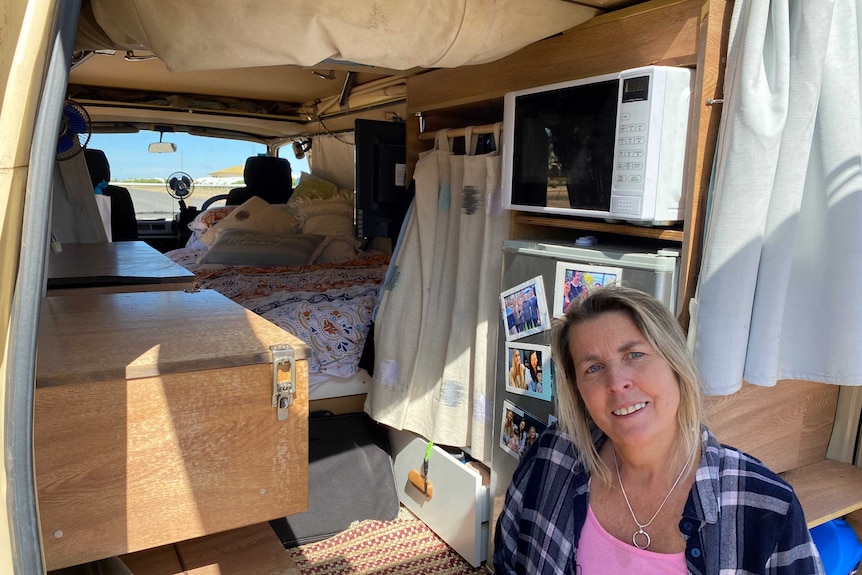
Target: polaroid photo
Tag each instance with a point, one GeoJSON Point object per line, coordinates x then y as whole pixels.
{"type": "Point", "coordinates": [525, 309]}
{"type": "Point", "coordinates": [528, 370]}
{"type": "Point", "coordinates": [518, 429]}
{"type": "Point", "coordinates": [573, 279]}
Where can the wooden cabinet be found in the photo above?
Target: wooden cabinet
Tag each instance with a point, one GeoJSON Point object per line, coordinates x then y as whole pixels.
{"type": "Point", "coordinates": [154, 422]}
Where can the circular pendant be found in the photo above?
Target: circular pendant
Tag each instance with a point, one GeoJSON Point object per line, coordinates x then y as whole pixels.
{"type": "Point", "coordinates": [641, 539]}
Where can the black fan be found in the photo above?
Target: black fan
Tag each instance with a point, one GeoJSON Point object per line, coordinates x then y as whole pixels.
{"type": "Point", "coordinates": [180, 186]}
{"type": "Point", "coordinates": [74, 131]}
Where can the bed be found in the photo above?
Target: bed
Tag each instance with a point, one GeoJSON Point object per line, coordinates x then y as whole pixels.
{"type": "Point", "coordinates": [299, 266]}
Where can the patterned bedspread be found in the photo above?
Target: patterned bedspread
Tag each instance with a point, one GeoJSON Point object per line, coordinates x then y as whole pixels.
{"type": "Point", "coordinates": [328, 306]}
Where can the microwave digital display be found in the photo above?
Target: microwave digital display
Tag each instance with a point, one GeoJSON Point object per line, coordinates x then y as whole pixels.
{"type": "Point", "coordinates": [636, 89]}
{"type": "Point", "coordinates": [566, 154]}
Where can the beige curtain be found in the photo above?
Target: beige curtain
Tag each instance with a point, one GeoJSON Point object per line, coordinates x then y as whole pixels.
{"type": "Point", "coordinates": [778, 294]}
{"type": "Point", "coordinates": [75, 215]}
{"type": "Point", "coordinates": [436, 326]}
{"type": "Point", "coordinates": [332, 158]}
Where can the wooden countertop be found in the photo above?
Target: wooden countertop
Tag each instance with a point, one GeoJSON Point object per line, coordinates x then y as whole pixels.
{"type": "Point", "coordinates": [115, 264]}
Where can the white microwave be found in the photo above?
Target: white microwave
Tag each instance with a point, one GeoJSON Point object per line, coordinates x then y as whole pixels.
{"type": "Point", "coordinates": [610, 146]}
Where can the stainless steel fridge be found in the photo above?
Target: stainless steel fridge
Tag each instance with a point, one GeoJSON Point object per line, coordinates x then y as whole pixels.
{"type": "Point", "coordinates": [533, 291]}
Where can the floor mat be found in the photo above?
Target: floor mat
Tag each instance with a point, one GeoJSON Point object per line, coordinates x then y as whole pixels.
{"type": "Point", "coordinates": [405, 546]}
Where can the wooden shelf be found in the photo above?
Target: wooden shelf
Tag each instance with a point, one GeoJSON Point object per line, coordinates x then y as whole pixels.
{"type": "Point", "coordinates": [827, 489]}
{"type": "Point", "coordinates": [667, 234]}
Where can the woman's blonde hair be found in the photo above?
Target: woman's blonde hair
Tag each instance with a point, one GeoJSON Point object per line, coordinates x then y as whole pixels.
{"type": "Point", "coordinates": [664, 334]}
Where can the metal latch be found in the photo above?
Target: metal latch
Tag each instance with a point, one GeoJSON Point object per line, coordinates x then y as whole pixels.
{"type": "Point", "coordinates": [283, 392]}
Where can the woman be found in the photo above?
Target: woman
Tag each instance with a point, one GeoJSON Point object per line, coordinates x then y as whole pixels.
{"type": "Point", "coordinates": [522, 436]}
{"type": "Point", "coordinates": [567, 295]}
{"type": "Point", "coordinates": [534, 379]}
{"type": "Point", "coordinates": [517, 371]}
{"type": "Point", "coordinates": [630, 479]}
{"type": "Point", "coordinates": [508, 427]}
{"type": "Point", "coordinates": [520, 321]}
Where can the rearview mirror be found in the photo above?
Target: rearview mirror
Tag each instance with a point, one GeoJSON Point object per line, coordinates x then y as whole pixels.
{"type": "Point", "coordinates": [162, 147]}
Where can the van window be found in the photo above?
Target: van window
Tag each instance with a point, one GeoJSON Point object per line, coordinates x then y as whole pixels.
{"type": "Point", "coordinates": [214, 164]}
{"type": "Point", "coordinates": [297, 165]}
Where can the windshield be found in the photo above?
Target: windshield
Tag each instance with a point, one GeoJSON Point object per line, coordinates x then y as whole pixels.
{"type": "Point", "coordinates": [215, 165]}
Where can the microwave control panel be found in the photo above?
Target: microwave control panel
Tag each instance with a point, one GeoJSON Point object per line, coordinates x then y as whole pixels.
{"type": "Point", "coordinates": [649, 151]}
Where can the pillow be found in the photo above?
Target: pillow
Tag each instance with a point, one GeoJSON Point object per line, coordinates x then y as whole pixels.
{"type": "Point", "coordinates": [194, 241]}
{"type": "Point", "coordinates": [310, 187]}
{"type": "Point", "coordinates": [246, 247]}
{"type": "Point", "coordinates": [330, 217]}
{"type": "Point", "coordinates": [256, 215]}
{"type": "Point", "coordinates": [207, 218]}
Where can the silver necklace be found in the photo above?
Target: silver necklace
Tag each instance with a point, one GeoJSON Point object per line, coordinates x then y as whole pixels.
{"type": "Point", "coordinates": [641, 536]}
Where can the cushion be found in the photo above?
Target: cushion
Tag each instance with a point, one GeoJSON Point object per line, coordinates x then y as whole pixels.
{"type": "Point", "coordinates": [332, 217]}
{"type": "Point", "coordinates": [311, 187]}
{"type": "Point", "coordinates": [205, 220]}
{"type": "Point", "coordinates": [194, 241]}
{"type": "Point", "coordinates": [250, 248]}
{"type": "Point", "coordinates": [256, 215]}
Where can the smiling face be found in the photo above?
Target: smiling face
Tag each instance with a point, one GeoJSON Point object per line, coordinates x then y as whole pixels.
{"type": "Point", "coordinates": [630, 391]}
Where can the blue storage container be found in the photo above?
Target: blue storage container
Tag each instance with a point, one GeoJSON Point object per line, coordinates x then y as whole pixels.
{"type": "Point", "coordinates": [838, 545]}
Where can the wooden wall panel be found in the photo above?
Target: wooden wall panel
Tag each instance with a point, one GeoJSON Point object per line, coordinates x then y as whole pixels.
{"type": "Point", "coordinates": [702, 139]}
{"type": "Point", "coordinates": [787, 426]}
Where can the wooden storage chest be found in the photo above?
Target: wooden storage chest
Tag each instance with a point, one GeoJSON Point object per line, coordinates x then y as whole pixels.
{"type": "Point", "coordinates": [154, 422]}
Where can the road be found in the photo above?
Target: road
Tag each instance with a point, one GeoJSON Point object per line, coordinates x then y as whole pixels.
{"type": "Point", "coordinates": [153, 202]}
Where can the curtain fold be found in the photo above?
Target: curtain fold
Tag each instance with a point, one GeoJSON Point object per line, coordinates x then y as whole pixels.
{"type": "Point", "coordinates": [436, 325]}
{"type": "Point", "coordinates": [776, 298]}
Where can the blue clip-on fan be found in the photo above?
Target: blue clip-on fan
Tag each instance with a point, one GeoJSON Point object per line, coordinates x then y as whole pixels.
{"type": "Point", "coordinates": [74, 131]}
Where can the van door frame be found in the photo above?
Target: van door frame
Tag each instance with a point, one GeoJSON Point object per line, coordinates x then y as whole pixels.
{"type": "Point", "coordinates": [48, 29]}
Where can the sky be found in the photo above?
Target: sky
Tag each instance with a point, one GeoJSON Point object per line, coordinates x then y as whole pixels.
{"type": "Point", "coordinates": [198, 156]}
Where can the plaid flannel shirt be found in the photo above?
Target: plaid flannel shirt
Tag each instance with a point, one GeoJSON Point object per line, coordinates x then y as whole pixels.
{"type": "Point", "coordinates": [739, 517]}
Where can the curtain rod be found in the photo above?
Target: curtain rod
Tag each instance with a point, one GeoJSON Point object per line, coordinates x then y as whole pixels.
{"type": "Point", "coordinates": [459, 132]}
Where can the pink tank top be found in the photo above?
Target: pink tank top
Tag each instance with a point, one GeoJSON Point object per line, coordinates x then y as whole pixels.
{"type": "Point", "coordinates": [599, 552]}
